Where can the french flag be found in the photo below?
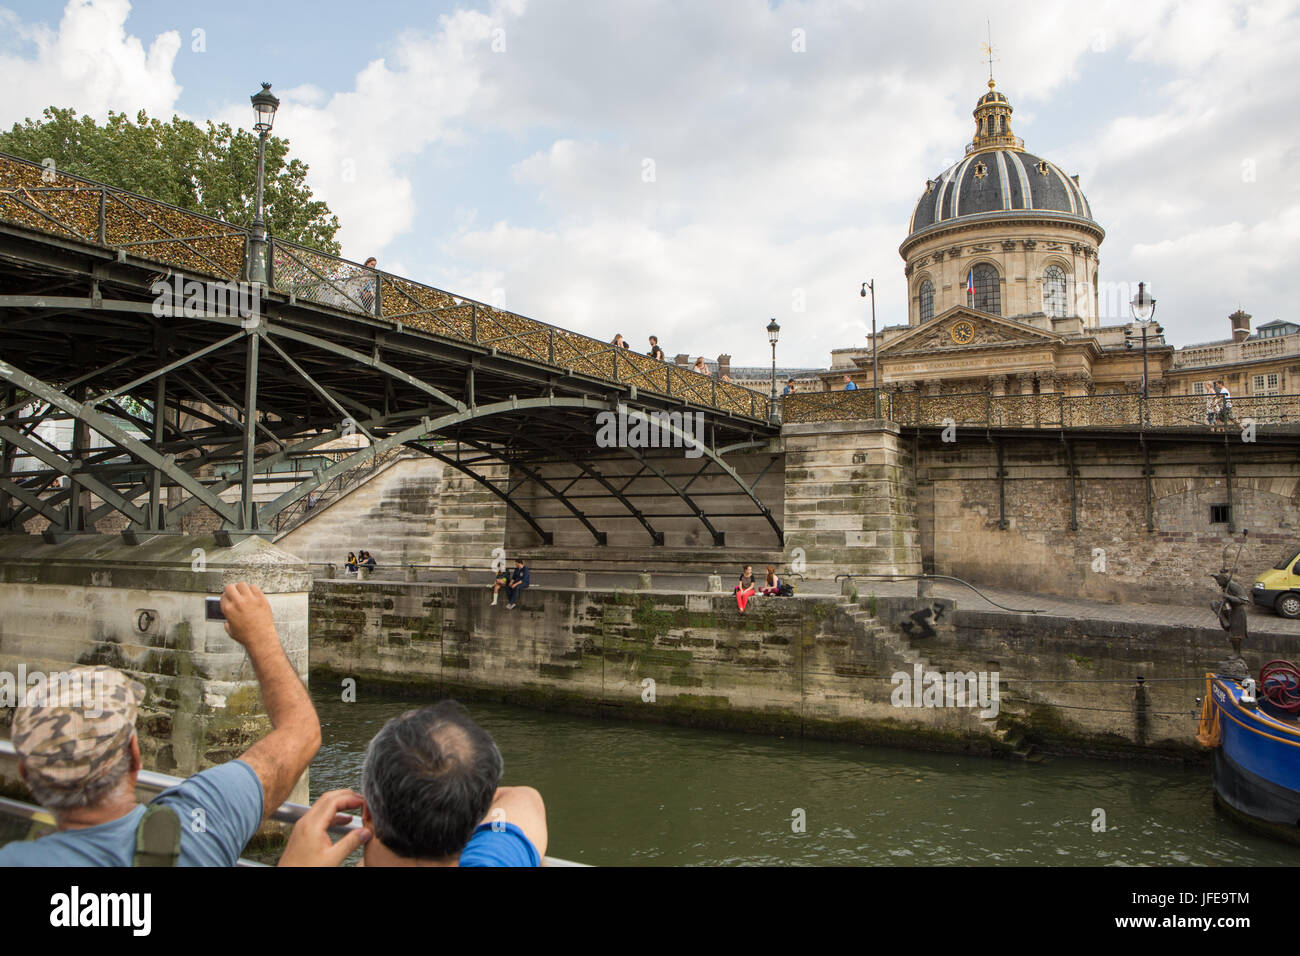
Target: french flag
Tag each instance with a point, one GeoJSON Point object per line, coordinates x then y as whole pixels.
{"type": "Point", "coordinates": [970, 282]}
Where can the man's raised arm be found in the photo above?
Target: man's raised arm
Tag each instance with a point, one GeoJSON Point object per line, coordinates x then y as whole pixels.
{"type": "Point", "coordinates": [280, 757]}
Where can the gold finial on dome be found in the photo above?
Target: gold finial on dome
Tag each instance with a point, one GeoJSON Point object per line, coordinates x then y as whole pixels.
{"type": "Point", "coordinates": [993, 115]}
{"type": "Point", "coordinates": [988, 50]}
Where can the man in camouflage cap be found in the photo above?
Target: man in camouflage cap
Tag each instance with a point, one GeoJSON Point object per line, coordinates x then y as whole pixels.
{"type": "Point", "coordinates": [78, 752]}
{"type": "Point", "coordinates": [72, 736]}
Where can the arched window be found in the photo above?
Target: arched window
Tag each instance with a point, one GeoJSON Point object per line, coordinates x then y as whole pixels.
{"type": "Point", "coordinates": [988, 290]}
{"type": "Point", "coordinates": [1054, 299]}
{"type": "Point", "coordinates": [926, 300]}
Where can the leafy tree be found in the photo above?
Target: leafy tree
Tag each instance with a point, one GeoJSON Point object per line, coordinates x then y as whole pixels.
{"type": "Point", "coordinates": [210, 170]}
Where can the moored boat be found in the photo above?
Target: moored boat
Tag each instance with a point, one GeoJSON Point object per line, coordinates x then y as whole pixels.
{"type": "Point", "coordinates": [1256, 747]}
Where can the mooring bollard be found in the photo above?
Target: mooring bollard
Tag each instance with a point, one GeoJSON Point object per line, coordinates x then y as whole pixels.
{"type": "Point", "coordinates": [643, 581]}
{"type": "Point", "coordinates": [579, 579]}
{"type": "Point", "coordinates": [924, 588]}
{"type": "Point", "coordinates": [412, 573]}
{"type": "Point", "coordinates": [363, 574]}
{"type": "Point", "coordinates": [462, 577]}
{"type": "Point", "coordinates": [715, 583]}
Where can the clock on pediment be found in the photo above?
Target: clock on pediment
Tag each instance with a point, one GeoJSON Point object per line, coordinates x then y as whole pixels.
{"type": "Point", "coordinates": [963, 333]}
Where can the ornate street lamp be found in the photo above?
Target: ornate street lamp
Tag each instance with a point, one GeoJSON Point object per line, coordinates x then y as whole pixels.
{"type": "Point", "coordinates": [875, 367]}
{"type": "Point", "coordinates": [1143, 307]}
{"type": "Point", "coordinates": [265, 103]}
{"type": "Point", "coordinates": [773, 333]}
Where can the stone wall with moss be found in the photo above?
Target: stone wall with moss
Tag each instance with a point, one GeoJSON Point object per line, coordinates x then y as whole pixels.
{"type": "Point", "coordinates": [814, 665]}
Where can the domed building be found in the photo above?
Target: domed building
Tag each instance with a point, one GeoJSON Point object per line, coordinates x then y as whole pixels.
{"type": "Point", "coordinates": [1001, 261]}
{"type": "Point", "coordinates": [1010, 225]}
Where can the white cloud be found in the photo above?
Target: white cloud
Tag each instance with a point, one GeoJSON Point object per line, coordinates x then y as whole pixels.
{"type": "Point", "coordinates": [776, 173]}
{"type": "Point", "coordinates": [89, 63]}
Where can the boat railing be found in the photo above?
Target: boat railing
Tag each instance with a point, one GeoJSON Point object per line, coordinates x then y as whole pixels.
{"type": "Point", "coordinates": [150, 783]}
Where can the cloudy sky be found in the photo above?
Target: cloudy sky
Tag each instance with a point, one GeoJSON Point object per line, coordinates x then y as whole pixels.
{"type": "Point", "coordinates": [693, 168]}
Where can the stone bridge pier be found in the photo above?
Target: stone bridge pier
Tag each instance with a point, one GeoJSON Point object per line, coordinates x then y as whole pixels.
{"type": "Point", "coordinates": [94, 599]}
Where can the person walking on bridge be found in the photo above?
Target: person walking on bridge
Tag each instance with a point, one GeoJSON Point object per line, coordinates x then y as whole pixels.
{"type": "Point", "coordinates": [79, 754]}
{"type": "Point", "coordinates": [655, 351]}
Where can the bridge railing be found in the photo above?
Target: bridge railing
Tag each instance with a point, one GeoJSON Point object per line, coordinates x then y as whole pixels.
{"type": "Point", "coordinates": [1048, 410]}
{"type": "Point", "coordinates": [71, 207]}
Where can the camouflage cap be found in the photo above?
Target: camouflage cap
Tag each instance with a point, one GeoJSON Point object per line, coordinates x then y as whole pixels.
{"type": "Point", "coordinates": [71, 731]}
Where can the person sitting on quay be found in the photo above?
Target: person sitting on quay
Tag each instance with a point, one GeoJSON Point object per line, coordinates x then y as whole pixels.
{"type": "Point", "coordinates": [745, 587]}
{"type": "Point", "coordinates": [518, 582]}
{"type": "Point", "coordinates": [81, 759]}
{"type": "Point", "coordinates": [431, 796]}
{"type": "Point", "coordinates": [367, 560]}
{"type": "Point", "coordinates": [351, 564]}
{"type": "Point", "coordinates": [502, 580]}
{"type": "Point", "coordinates": [771, 584]}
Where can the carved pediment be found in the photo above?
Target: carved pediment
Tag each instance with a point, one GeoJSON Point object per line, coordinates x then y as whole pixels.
{"type": "Point", "coordinates": [966, 328]}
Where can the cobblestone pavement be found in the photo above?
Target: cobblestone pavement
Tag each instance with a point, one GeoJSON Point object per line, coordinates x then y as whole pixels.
{"type": "Point", "coordinates": [1190, 615]}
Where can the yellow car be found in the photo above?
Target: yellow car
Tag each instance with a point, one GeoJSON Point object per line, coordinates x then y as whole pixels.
{"type": "Point", "coordinates": [1279, 588]}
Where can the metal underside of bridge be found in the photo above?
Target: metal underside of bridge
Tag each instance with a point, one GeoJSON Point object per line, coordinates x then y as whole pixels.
{"type": "Point", "coordinates": [101, 333]}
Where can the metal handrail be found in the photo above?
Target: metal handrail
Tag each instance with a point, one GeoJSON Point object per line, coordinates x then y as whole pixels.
{"type": "Point", "coordinates": [1051, 410]}
{"type": "Point", "coordinates": [937, 577]}
{"type": "Point", "coordinates": [153, 783]}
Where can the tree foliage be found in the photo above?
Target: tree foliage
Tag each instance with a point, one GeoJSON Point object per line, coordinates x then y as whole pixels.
{"type": "Point", "coordinates": [210, 170]}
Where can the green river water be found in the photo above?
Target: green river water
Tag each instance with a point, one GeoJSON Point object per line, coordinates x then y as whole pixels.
{"type": "Point", "coordinates": [646, 794]}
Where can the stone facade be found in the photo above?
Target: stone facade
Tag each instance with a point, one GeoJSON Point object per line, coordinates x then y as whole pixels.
{"type": "Point", "coordinates": [1110, 555]}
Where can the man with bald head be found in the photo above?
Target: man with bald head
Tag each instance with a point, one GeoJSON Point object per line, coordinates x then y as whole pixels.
{"type": "Point", "coordinates": [431, 796]}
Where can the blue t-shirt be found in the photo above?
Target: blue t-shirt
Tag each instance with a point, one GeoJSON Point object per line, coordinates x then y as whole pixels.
{"type": "Point", "coordinates": [220, 810]}
{"type": "Point", "coordinates": [850, 387]}
{"type": "Point", "coordinates": [500, 847]}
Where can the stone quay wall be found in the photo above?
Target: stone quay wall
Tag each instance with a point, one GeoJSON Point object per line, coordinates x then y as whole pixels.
{"type": "Point", "coordinates": [820, 666]}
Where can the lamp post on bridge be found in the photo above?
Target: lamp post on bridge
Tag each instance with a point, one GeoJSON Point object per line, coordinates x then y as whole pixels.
{"type": "Point", "coordinates": [1143, 308]}
{"type": "Point", "coordinates": [265, 103]}
{"type": "Point", "coordinates": [773, 332]}
{"type": "Point", "coordinates": [875, 366]}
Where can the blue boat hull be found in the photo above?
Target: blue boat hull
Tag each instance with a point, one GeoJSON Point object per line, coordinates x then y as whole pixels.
{"type": "Point", "coordinates": [1257, 763]}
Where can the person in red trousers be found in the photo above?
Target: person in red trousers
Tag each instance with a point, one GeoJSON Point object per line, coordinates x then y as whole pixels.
{"type": "Point", "coordinates": [745, 588]}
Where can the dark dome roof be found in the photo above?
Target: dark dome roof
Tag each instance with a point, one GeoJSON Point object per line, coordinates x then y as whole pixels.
{"type": "Point", "coordinates": [992, 181]}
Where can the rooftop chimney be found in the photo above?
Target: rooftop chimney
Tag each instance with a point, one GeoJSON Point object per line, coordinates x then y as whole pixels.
{"type": "Point", "coordinates": [1240, 325]}
{"type": "Point", "coordinates": [724, 365]}
{"type": "Point", "coordinates": [681, 360]}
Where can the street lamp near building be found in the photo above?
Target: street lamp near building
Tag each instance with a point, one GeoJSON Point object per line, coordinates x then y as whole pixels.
{"type": "Point", "coordinates": [1143, 307]}
{"type": "Point", "coordinates": [265, 103]}
{"type": "Point", "coordinates": [773, 333]}
{"type": "Point", "coordinates": [875, 367]}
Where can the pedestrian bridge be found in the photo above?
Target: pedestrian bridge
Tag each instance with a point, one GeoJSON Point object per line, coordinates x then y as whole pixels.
{"type": "Point", "coordinates": [134, 320]}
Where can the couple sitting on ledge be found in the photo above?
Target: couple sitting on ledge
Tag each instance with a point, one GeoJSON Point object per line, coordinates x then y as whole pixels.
{"type": "Point", "coordinates": [771, 588]}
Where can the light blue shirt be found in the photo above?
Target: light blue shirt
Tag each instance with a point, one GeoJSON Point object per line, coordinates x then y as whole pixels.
{"type": "Point", "coordinates": [850, 387]}
{"type": "Point", "coordinates": [220, 810]}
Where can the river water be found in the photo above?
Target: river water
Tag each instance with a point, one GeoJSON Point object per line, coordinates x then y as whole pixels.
{"type": "Point", "coordinates": [647, 794]}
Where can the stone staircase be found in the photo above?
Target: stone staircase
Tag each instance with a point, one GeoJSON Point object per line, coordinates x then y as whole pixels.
{"type": "Point", "coordinates": [902, 648]}
{"type": "Point", "coordinates": [393, 514]}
